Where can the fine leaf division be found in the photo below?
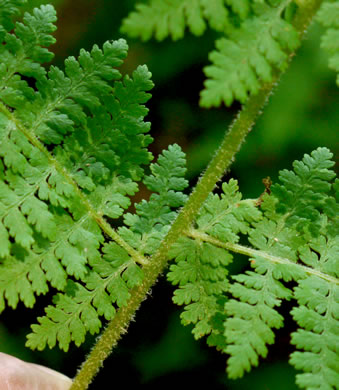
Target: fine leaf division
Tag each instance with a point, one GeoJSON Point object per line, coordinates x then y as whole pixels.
{"type": "Point", "coordinates": [74, 150]}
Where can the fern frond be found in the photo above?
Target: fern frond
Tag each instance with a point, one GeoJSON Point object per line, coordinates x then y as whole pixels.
{"type": "Point", "coordinates": [73, 146]}
{"type": "Point", "coordinates": [258, 38]}
{"type": "Point", "coordinates": [8, 9]}
{"type": "Point", "coordinates": [71, 155]}
{"type": "Point", "coordinates": [253, 317]}
{"type": "Point", "coordinates": [79, 309]}
{"type": "Point", "coordinates": [290, 213]}
{"type": "Point", "coordinates": [201, 274]}
{"type": "Point", "coordinates": [201, 269]}
{"type": "Point", "coordinates": [317, 317]}
{"type": "Point", "coordinates": [253, 314]}
{"type": "Point", "coordinates": [303, 193]}
{"type": "Point", "coordinates": [281, 227]}
{"type": "Point", "coordinates": [227, 216]}
{"type": "Point", "coordinates": [248, 56]}
{"type": "Point", "coordinates": [23, 53]}
{"type": "Point", "coordinates": [41, 183]}
{"type": "Point", "coordinates": [153, 218]}
{"type": "Point", "coordinates": [73, 150]}
{"type": "Point", "coordinates": [328, 16]}
{"type": "Point", "coordinates": [170, 18]}
{"type": "Point", "coordinates": [107, 283]}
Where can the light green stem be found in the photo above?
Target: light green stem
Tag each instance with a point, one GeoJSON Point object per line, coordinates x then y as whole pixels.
{"type": "Point", "coordinates": [220, 163]}
{"type": "Point", "coordinates": [253, 253]}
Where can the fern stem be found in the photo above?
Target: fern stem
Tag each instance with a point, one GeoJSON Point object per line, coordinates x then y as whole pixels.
{"type": "Point", "coordinates": [250, 252]}
{"type": "Point", "coordinates": [223, 158]}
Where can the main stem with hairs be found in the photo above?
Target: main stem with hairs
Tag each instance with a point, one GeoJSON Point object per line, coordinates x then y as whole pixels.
{"type": "Point", "coordinates": [221, 161]}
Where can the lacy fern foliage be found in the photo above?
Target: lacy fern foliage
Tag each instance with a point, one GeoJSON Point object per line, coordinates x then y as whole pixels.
{"type": "Point", "coordinates": [244, 60]}
{"type": "Point", "coordinates": [74, 150]}
{"type": "Point", "coordinates": [170, 18]}
{"type": "Point", "coordinates": [256, 40]}
{"type": "Point", "coordinates": [294, 238]}
{"type": "Point", "coordinates": [328, 16]}
{"type": "Point", "coordinates": [73, 147]}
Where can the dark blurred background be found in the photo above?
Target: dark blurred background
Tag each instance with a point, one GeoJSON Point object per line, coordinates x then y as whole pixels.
{"type": "Point", "coordinates": [302, 115]}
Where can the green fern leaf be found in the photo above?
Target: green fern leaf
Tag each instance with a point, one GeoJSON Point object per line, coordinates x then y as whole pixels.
{"type": "Point", "coordinates": [8, 9]}
{"type": "Point", "coordinates": [78, 310]}
{"type": "Point", "coordinates": [201, 275]}
{"type": "Point", "coordinates": [328, 16]}
{"type": "Point", "coordinates": [59, 326]}
{"type": "Point", "coordinates": [317, 317]}
{"type": "Point", "coordinates": [170, 18]}
{"type": "Point", "coordinates": [23, 52]}
{"type": "Point", "coordinates": [226, 216]}
{"type": "Point", "coordinates": [252, 318]}
{"type": "Point", "coordinates": [107, 283]}
{"type": "Point", "coordinates": [245, 59]}
{"type": "Point", "coordinates": [286, 249]}
{"type": "Point", "coordinates": [253, 315]}
{"type": "Point", "coordinates": [152, 219]}
{"type": "Point", "coordinates": [201, 271]}
{"type": "Point", "coordinates": [284, 234]}
{"type": "Point", "coordinates": [303, 193]}
{"type": "Point", "coordinates": [72, 150]}
{"type": "Point", "coordinates": [258, 39]}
